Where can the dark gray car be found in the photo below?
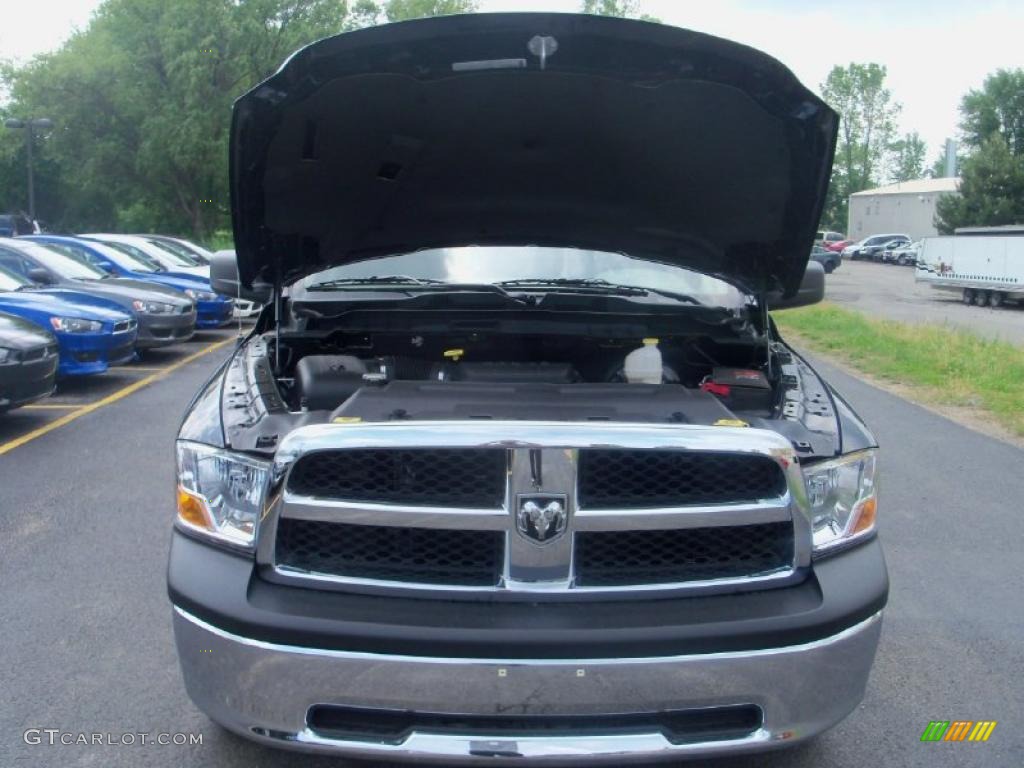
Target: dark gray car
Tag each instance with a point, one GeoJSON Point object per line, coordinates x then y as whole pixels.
{"type": "Point", "coordinates": [830, 260]}
{"type": "Point", "coordinates": [166, 316]}
{"type": "Point", "coordinates": [28, 362]}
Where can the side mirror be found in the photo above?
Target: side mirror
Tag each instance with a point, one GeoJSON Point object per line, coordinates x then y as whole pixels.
{"type": "Point", "coordinates": [811, 291]}
{"type": "Point", "coordinates": [40, 276]}
{"type": "Point", "coordinates": [224, 280]}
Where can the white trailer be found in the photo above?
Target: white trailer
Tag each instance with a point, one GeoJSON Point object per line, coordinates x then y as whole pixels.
{"type": "Point", "coordinates": [985, 265]}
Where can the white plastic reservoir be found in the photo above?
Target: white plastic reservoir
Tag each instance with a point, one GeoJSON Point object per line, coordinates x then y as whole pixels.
{"type": "Point", "coordinates": [643, 366]}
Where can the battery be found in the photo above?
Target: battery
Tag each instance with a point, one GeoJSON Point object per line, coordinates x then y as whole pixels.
{"type": "Point", "coordinates": [741, 389]}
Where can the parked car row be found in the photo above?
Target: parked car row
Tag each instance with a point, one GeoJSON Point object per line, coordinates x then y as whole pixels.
{"type": "Point", "coordinates": [904, 254]}
{"type": "Point", "coordinates": [77, 305]}
{"type": "Point", "coordinates": [124, 258]}
{"type": "Point", "coordinates": [882, 248]}
{"type": "Point", "coordinates": [886, 248]}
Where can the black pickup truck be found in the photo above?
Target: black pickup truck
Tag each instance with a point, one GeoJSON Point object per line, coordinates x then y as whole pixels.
{"type": "Point", "coordinates": [515, 467]}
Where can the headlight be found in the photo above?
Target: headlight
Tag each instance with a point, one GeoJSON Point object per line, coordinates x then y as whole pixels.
{"type": "Point", "coordinates": [220, 493]}
{"type": "Point", "coordinates": [152, 307]}
{"type": "Point", "coordinates": [75, 325]}
{"type": "Point", "coordinates": [6, 355]}
{"type": "Point", "coordinates": [842, 494]}
{"type": "Point", "coordinates": [201, 295]}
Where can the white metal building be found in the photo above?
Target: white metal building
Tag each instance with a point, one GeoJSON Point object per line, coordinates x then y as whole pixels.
{"type": "Point", "coordinates": [905, 207]}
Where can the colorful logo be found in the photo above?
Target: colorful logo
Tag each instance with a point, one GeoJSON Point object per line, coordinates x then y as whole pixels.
{"type": "Point", "coordinates": [958, 730]}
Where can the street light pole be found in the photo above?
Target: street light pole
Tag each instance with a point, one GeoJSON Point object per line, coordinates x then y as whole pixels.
{"type": "Point", "coordinates": [30, 125]}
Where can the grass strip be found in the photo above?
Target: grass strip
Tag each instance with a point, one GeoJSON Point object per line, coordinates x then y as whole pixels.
{"type": "Point", "coordinates": [943, 365]}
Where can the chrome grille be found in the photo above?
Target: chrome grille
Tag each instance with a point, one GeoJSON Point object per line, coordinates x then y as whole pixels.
{"type": "Point", "coordinates": [622, 558]}
{"type": "Point", "coordinates": [436, 477]}
{"type": "Point", "coordinates": [468, 558]}
{"type": "Point", "coordinates": [644, 509]}
{"type": "Point", "coordinates": [610, 479]}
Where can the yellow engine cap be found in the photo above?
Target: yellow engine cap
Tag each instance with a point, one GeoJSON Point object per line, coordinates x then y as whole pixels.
{"type": "Point", "coordinates": [454, 354]}
{"type": "Point", "coordinates": [731, 423]}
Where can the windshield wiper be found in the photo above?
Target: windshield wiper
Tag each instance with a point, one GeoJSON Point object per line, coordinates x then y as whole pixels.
{"type": "Point", "coordinates": [573, 282]}
{"type": "Point", "coordinates": [420, 285]}
{"type": "Point", "coordinates": [598, 285]}
{"type": "Point", "coordinates": [374, 280]}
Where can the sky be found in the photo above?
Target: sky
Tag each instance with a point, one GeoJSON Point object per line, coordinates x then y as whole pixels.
{"type": "Point", "coordinates": [935, 50]}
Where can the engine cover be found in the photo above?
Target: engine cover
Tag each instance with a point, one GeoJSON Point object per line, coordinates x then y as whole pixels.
{"type": "Point", "coordinates": [460, 401]}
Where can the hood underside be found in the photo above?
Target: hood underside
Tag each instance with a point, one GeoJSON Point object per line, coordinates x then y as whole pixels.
{"type": "Point", "coordinates": [543, 129]}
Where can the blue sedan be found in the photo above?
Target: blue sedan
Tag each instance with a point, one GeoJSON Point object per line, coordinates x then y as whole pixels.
{"type": "Point", "coordinates": [212, 310]}
{"type": "Point", "coordinates": [90, 337]}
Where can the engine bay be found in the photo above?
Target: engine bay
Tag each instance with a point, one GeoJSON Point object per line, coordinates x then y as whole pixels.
{"type": "Point", "coordinates": [275, 385]}
{"type": "Point", "coordinates": [394, 376]}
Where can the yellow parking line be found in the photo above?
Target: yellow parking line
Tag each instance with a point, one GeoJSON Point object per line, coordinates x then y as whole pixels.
{"type": "Point", "coordinates": [129, 368]}
{"type": "Point", "coordinates": [135, 386]}
{"type": "Point", "coordinates": [50, 407]}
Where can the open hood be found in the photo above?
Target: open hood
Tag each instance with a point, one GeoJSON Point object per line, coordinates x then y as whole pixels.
{"type": "Point", "coordinates": [544, 129]}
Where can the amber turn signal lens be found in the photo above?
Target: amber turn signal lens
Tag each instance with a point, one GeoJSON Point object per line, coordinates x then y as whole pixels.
{"type": "Point", "coordinates": [866, 518]}
{"type": "Point", "coordinates": [191, 510]}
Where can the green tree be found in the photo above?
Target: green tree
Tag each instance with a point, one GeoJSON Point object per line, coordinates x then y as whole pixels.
{"type": "Point", "coordinates": [400, 10]}
{"type": "Point", "coordinates": [991, 190]}
{"type": "Point", "coordinates": [624, 8]}
{"type": "Point", "coordinates": [937, 168]}
{"type": "Point", "coordinates": [867, 125]}
{"type": "Point", "coordinates": [627, 9]}
{"type": "Point", "coordinates": [14, 177]}
{"type": "Point", "coordinates": [141, 101]}
{"type": "Point", "coordinates": [907, 157]}
{"type": "Point", "coordinates": [998, 107]}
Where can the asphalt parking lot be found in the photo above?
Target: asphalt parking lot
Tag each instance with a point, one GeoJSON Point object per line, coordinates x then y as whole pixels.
{"type": "Point", "coordinates": [85, 517]}
{"type": "Point", "coordinates": [889, 291]}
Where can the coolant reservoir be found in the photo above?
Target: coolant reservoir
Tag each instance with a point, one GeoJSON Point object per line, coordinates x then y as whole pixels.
{"type": "Point", "coordinates": [643, 366]}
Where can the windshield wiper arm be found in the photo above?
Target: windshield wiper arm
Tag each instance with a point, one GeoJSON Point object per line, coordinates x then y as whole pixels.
{"type": "Point", "coordinates": [410, 285]}
{"type": "Point", "coordinates": [572, 282]}
{"type": "Point", "coordinates": [596, 284]}
{"type": "Point", "coordinates": [375, 280]}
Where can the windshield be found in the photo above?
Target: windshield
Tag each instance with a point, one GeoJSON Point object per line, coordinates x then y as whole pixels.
{"type": "Point", "coordinates": [186, 251]}
{"type": "Point", "coordinates": [129, 257]}
{"type": "Point", "coordinates": [10, 281]}
{"type": "Point", "coordinates": [178, 256]}
{"type": "Point", "coordinates": [531, 264]}
{"type": "Point", "coordinates": [56, 259]}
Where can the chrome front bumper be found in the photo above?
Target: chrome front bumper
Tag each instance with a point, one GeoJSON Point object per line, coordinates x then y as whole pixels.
{"type": "Point", "coordinates": [264, 691]}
